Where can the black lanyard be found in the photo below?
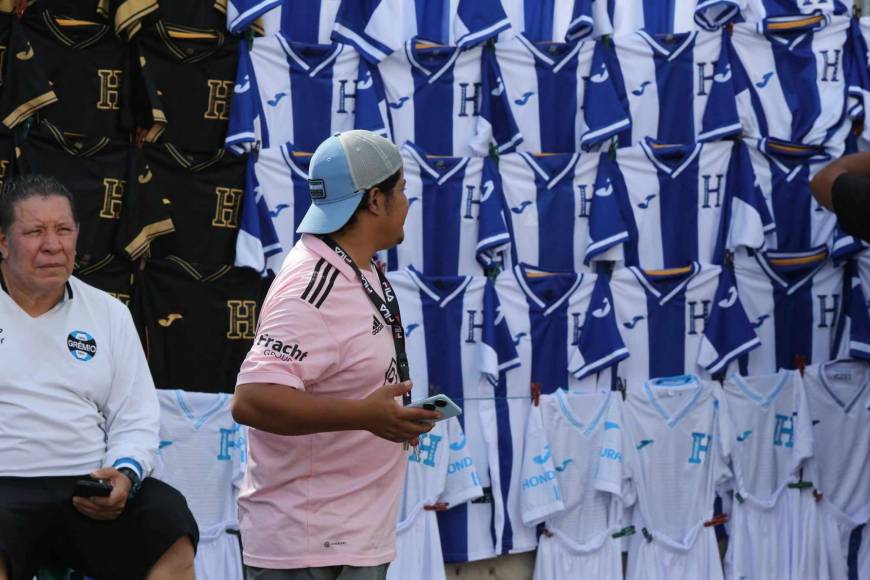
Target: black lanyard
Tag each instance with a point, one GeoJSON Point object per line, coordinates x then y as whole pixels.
{"type": "Point", "coordinates": [389, 309]}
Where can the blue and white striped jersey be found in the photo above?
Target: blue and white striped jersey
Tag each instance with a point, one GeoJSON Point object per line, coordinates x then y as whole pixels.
{"type": "Point", "coordinates": [547, 314]}
{"type": "Point", "coordinates": [308, 21]}
{"type": "Point", "coordinates": [275, 201]}
{"type": "Point", "coordinates": [447, 100]}
{"type": "Point", "coordinates": [551, 20]}
{"type": "Point", "coordinates": [459, 344]}
{"type": "Point", "coordinates": [677, 204]}
{"type": "Point", "coordinates": [791, 76]}
{"type": "Point", "coordinates": [454, 224]}
{"type": "Point", "coordinates": [299, 93]}
{"type": "Point", "coordinates": [668, 16]}
{"type": "Point", "coordinates": [561, 95]}
{"type": "Point", "coordinates": [794, 300]}
{"type": "Point", "coordinates": [548, 203]}
{"type": "Point", "coordinates": [378, 27]}
{"type": "Point", "coordinates": [784, 171]}
{"type": "Point", "coordinates": [755, 10]}
{"type": "Point", "coordinates": [677, 321]}
{"type": "Point", "coordinates": [677, 87]}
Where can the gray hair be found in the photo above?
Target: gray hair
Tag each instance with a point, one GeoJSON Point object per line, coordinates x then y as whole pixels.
{"type": "Point", "coordinates": [26, 186]}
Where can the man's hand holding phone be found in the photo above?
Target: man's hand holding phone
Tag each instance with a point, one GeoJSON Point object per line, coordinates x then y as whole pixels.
{"type": "Point", "coordinates": [110, 506]}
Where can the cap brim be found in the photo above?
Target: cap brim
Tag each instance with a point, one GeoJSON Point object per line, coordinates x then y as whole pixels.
{"type": "Point", "coordinates": [328, 217]}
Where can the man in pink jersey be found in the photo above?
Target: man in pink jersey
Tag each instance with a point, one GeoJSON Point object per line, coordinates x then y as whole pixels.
{"type": "Point", "coordinates": [319, 387]}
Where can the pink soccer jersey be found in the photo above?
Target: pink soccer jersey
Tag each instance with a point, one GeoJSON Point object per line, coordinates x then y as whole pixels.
{"type": "Point", "coordinates": [329, 498]}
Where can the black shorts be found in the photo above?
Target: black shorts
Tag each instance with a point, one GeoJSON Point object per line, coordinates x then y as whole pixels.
{"type": "Point", "coordinates": [39, 525]}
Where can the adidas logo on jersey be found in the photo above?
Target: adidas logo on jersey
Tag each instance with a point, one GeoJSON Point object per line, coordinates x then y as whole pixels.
{"type": "Point", "coordinates": [377, 325]}
{"type": "Point", "coordinates": [279, 349]}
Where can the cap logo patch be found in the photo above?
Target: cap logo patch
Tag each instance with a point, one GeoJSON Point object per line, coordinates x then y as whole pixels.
{"type": "Point", "coordinates": [318, 188]}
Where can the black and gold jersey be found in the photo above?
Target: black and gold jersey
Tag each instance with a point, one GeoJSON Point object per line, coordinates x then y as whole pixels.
{"type": "Point", "coordinates": [134, 15]}
{"type": "Point", "coordinates": [197, 323]}
{"type": "Point", "coordinates": [112, 274]}
{"type": "Point", "coordinates": [24, 86]}
{"type": "Point", "coordinates": [192, 72]}
{"type": "Point", "coordinates": [203, 194]}
{"type": "Point", "coordinates": [104, 177]}
{"type": "Point", "coordinates": [87, 65]}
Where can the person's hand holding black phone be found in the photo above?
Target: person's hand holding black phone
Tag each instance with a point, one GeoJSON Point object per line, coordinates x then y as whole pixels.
{"type": "Point", "coordinates": [92, 488]}
{"type": "Point", "coordinates": [106, 507]}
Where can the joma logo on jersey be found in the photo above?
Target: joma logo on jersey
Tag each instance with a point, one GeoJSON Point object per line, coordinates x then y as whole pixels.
{"type": "Point", "coordinates": [226, 212]}
{"type": "Point", "coordinates": [110, 83]}
{"type": "Point", "coordinates": [113, 193]}
{"type": "Point", "coordinates": [426, 449]}
{"type": "Point", "coordinates": [218, 99]}
{"type": "Point", "coordinates": [280, 349]}
{"type": "Point", "coordinates": [474, 99]}
{"type": "Point", "coordinates": [242, 319]}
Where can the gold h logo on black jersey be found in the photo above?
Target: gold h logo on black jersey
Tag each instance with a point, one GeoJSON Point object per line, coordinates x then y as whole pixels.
{"type": "Point", "coordinates": [243, 319]}
{"type": "Point", "coordinates": [218, 99]}
{"type": "Point", "coordinates": [226, 212]}
{"type": "Point", "coordinates": [110, 82]}
{"type": "Point", "coordinates": [113, 193]}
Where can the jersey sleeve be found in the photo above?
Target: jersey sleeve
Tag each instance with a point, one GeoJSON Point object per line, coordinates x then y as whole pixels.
{"type": "Point", "coordinates": [244, 107]}
{"type": "Point", "coordinates": [729, 333]}
{"type": "Point", "coordinates": [293, 346]}
{"type": "Point", "coordinates": [582, 23]}
{"type": "Point", "coordinates": [477, 21]}
{"type": "Point", "coordinates": [463, 481]}
{"type": "Point", "coordinates": [496, 124]}
{"type": "Point", "coordinates": [257, 239]}
{"type": "Point", "coordinates": [858, 317]}
{"type": "Point", "coordinates": [25, 86]}
{"type": "Point", "coordinates": [498, 353]}
{"type": "Point", "coordinates": [493, 240]}
{"type": "Point", "coordinates": [748, 217]}
{"type": "Point", "coordinates": [856, 64]}
{"type": "Point", "coordinates": [600, 345]}
{"type": "Point", "coordinates": [371, 108]}
{"type": "Point", "coordinates": [604, 114]}
{"type": "Point", "coordinates": [804, 446]}
{"type": "Point", "coordinates": [242, 13]}
{"type": "Point", "coordinates": [374, 27]}
{"type": "Point", "coordinates": [607, 226]}
{"type": "Point", "coordinates": [720, 115]}
{"type": "Point", "coordinates": [146, 107]}
{"type": "Point", "coordinates": [609, 474]}
{"type": "Point", "coordinates": [144, 216]}
{"type": "Point", "coordinates": [712, 14]}
{"type": "Point", "coordinates": [131, 409]}
{"type": "Point", "coordinates": [540, 495]}
{"type": "Point", "coordinates": [723, 440]}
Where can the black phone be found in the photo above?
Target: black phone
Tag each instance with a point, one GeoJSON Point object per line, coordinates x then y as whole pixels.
{"type": "Point", "coordinates": [92, 488]}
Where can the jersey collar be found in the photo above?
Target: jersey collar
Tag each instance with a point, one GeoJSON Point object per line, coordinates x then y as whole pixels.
{"type": "Point", "coordinates": [649, 282]}
{"type": "Point", "coordinates": [678, 47]}
{"type": "Point", "coordinates": [807, 263]}
{"type": "Point", "coordinates": [57, 31]}
{"type": "Point", "coordinates": [190, 161]}
{"type": "Point", "coordinates": [823, 379]}
{"type": "Point", "coordinates": [552, 178]}
{"type": "Point", "coordinates": [790, 158]}
{"type": "Point", "coordinates": [548, 306]}
{"type": "Point", "coordinates": [441, 289]}
{"type": "Point", "coordinates": [782, 28]}
{"type": "Point", "coordinates": [289, 155]}
{"type": "Point", "coordinates": [671, 160]}
{"type": "Point", "coordinates": [415, 54]}
{"type": "Point", "coordinates": [198, 49]}
{"type": "Point", "coordinates": [217, 404]}
{"type": "Point", "coordinates": [68, 295]}
{"type": "Point", "coordinates": [316, 246]}
{"type": "Point", "coordinates": [685, 383]}
{"type": "Point", "coordinates": [77, 147]}
{"type": "Point", "coordinates": [310, 58]}
{"type": "Point", "coordinates": [759, 398]}
{"type": "Point", "coordinates": [540, 53]}
{"type": "Point", "coordinates": [568, 413]}
{"type": "Point", "coordinates": [453, 164]}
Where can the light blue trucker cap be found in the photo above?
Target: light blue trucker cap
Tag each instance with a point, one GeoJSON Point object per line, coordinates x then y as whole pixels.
{"type": "Point", "coordinates": [341, 170]}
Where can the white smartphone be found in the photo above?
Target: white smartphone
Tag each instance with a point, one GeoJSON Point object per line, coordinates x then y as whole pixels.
{"type": "Point", "coordinates": [440, 403]}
